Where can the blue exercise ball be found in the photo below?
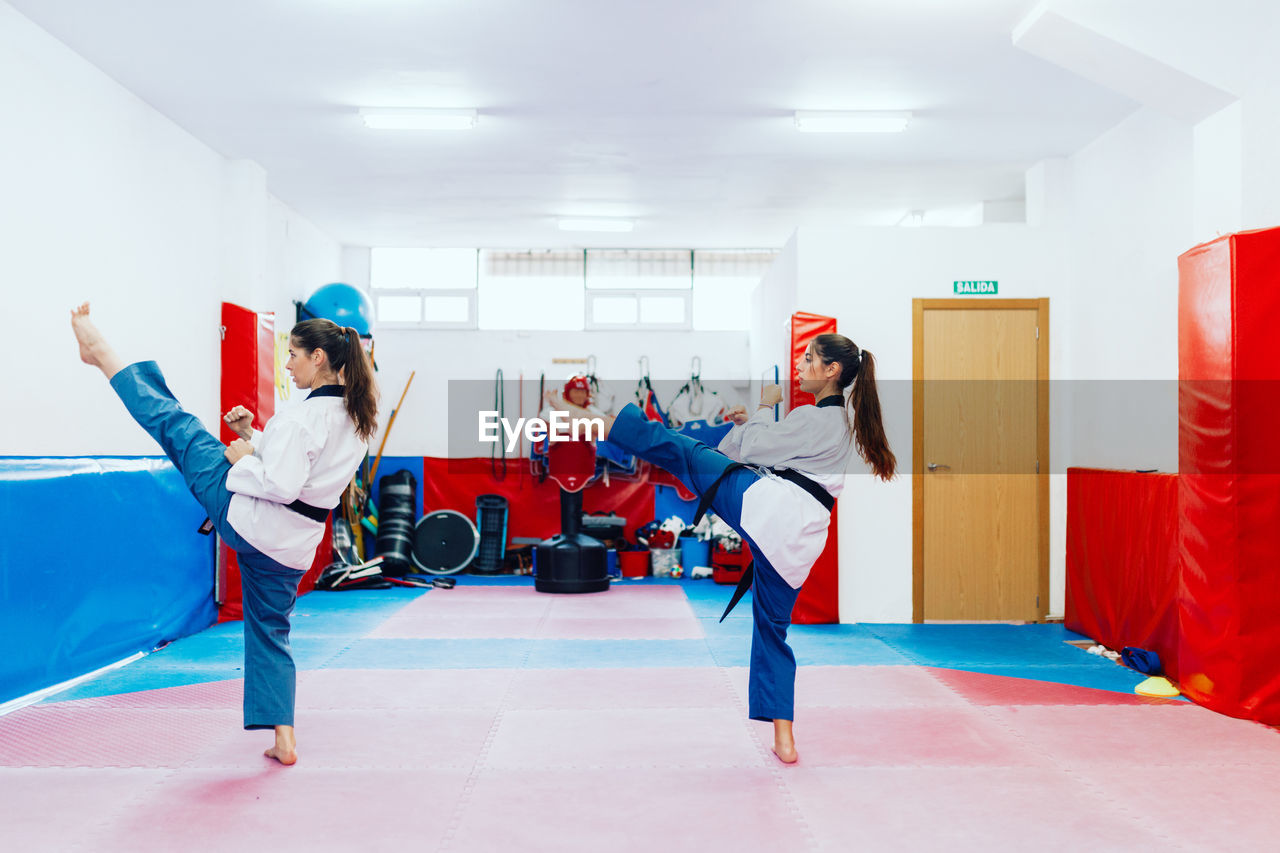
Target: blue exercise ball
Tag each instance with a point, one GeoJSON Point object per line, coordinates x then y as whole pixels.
{"type": "Point", "coordinates": [343, 304]}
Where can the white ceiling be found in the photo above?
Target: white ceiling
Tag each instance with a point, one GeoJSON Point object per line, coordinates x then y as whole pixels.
{"type": "Point", "coordinates": [676, 114]}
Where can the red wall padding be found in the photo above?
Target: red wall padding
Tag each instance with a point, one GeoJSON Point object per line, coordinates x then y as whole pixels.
{"type": "Point", "coordinates": [248, 365]}
{"type": "Point", "coordinates": [819, 599]}
{"type": "Point", "coordinates": [533, 508]}
{"type": "Point", "coordinates": [1122, 560]}
{"type": "Point", "coordinates": [248, 379]}
{"type": "Point", "coordinates": [804, 328]}
{"type": "Point", "coordinates": [1229, 495]}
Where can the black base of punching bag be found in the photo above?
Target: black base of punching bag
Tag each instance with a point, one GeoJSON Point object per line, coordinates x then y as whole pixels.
{"type": "Point", "coordinates": [579, 564]}
{"type": "Point", "coordinates": [571, 561]}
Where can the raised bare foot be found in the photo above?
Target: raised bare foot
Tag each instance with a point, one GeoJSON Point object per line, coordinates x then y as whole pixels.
{"type": "Point", "coordinates": [286, 747]}
{"type": "Point", "coordinates": [87, 335]}
{"type": "Point", "coordinates": [94, 348]}
{"type": "Point", "coordinates": [784, 742]}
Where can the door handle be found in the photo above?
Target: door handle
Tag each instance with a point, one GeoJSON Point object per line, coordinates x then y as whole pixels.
{"type": "Point", "coordinates": [934, 466]}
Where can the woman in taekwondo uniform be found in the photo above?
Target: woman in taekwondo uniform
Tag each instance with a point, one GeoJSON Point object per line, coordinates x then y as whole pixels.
{"type": "Point", "coordinates": [268, 493]}
{"type": "Point", "coordinates": [775, 483]}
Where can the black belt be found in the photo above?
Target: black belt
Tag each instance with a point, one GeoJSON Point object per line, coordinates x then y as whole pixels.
{"type": "Point", "coordinates": [314, 513]}
{"type": "Point", "coordinates": [748, 574]}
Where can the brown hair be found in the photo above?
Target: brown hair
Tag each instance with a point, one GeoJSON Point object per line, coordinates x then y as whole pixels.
{"type": "Point", "coordinates": [859, 367]}
{"type": "Point", "coordinates": [348, 359]}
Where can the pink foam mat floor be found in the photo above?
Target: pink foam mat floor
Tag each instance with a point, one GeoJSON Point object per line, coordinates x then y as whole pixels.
{"type": "Point", "coordinates": [637, 613]}
{"type": "Point", "coordinates": [635, 759]}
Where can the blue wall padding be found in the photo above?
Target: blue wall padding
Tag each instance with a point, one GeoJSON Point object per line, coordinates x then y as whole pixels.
{"type": "Point", "coordinates": [667, 502]}
{"type": "Point", "coordinates": [99, 559]}
{"type": "Point", "coordinates": [413, 464]}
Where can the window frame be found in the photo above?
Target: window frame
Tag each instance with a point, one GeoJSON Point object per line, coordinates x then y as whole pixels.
{"type": "Point", "coordinates": [684, 294]}
{"type": "Point", "coordinates": [470, 293]}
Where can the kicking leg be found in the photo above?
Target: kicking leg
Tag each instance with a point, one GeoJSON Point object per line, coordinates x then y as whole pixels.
{"type": "Point", "coordinates": [694, 463]}
{"type": "Point", "coordinates": [194, 451]}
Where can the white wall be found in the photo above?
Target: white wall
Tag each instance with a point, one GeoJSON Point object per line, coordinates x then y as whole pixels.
{"type": "Point", "coordinates": [1112, 221]}
{"type": "Point", "coordinates": [866, 278]}
{"type": "Point", "coordinates": [1133, 190]}
{"type": "Point", "coordinates": [772, 302]}
{"type": "Point", "coordinates": [107, 200]}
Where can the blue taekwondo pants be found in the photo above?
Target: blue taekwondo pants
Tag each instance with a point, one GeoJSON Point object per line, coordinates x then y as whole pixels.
{"type": "Point", "coordinates": [269, 589]}
{"type": "Point", "coordinates": [772, 685]}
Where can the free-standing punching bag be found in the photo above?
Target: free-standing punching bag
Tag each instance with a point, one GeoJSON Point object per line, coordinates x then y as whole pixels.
{"type": "Point", "coordinates": [571, 561]}
{"type": "Point", "coordinates": [397, 511]}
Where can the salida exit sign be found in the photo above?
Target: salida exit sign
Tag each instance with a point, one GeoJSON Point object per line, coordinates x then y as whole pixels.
{"type": "Point", "coordinates": [972, 287]}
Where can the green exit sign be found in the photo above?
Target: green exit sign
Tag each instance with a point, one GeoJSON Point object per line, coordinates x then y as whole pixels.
{"type": "Point", "coordinates": [987, 287]}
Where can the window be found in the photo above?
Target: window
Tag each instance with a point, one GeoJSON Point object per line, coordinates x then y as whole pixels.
{"type": "Point", "coordinates": [424, 288]}
{"type": "Point", "coordinates": [538, 289]}
{"type": "Point", "coordinates": [722, 285]}
{"type": "Point", "coordinates": [566, 289]}
{"type": "Point", "coordinates": [639, 288]}
{"type": "Point", "coordinates": [422, 269]}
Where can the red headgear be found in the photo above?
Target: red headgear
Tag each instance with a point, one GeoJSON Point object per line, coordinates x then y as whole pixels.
{"type": "Point", "coordinates": [580, 382]}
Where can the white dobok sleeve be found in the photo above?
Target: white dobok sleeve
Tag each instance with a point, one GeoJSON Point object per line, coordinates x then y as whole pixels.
{"type": "Point", "coordinates": [764, 441]}
{"type": "Point", "coordinates": [279, 466]}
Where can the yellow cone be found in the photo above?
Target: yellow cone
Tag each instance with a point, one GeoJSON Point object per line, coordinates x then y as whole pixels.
{"type": "Point", "coordinates": [1156, 686]}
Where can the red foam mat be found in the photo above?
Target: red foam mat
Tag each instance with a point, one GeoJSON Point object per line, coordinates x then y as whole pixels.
{"type": "Point", "coordinates": [1229, 495]}
{"type": "Point", "coordinates": [1122, 560]}
{"type": "Point", "coordinates": [981, 688]}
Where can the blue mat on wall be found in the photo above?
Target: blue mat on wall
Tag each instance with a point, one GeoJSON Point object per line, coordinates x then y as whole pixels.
{"type": "Point", "coordinates": [99, 559]}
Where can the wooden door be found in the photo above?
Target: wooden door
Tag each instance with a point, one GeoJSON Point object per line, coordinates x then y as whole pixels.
{"type": "Point", "coordinates": [981, 460]}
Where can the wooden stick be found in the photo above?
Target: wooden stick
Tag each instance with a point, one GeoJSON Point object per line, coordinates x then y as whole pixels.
{"type": "Point", "coordinates": [373, 475]}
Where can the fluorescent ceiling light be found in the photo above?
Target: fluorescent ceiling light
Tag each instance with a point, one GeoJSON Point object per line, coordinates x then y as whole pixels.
{"type": "Point", "coordinates": [419, 119]}
{"type": "Point", "coordinates": [620, 225]}
{"type": "Point", "coordinates": [851, 121]}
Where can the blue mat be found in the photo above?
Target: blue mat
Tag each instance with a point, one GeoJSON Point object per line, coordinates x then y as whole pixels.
{"type": "Point", "coordinates": [331, 631]}
{"type": "Point", "coordinates": [433, 654]}
{"type": "Point", "coordinates": [618, 654]}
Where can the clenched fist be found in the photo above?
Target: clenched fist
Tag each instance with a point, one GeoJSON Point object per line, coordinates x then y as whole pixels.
{"type": "Point", "coordinates": [238, 450]}
{"type": "Point", "coordinates": [770, 395]}
{"type": "Point", "coordinates": [240, 420]}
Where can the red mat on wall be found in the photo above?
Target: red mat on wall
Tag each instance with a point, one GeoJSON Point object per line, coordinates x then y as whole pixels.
{"type": "Point", "coordinates": [1229, 495]}
{"type": "Point", "coordinates": [248, 379]}
{"type": "Point", "coordinates": [533, 508]}
{"type": "Point", "coordinates": [1122, 560]}
{"type": "Point", "coordinates": [819, 599]}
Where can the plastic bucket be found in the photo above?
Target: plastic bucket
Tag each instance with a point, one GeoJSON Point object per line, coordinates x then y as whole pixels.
{"type": "Point", "coordinates": [694, 552]}
{"type": "Point", "coordinates": [634, 564]}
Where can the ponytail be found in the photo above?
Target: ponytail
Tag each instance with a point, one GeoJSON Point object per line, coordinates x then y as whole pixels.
{"type": "Point", "coordinates": [859, 368]}
{"type": "Point", "coordinates": [360, 392]}
{"type": "Point", "coordinates": [868, 429]}
{"type": "Point", "coordinates": [348, 359]}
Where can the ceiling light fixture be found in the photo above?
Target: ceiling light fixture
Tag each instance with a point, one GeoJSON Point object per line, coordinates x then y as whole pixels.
{"type": "Point", "coordinates": [616, 225]}
{"type": "Point", "coordinates": [419, 119]}
{"type": "Point", "coordinates": [851, 121]}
